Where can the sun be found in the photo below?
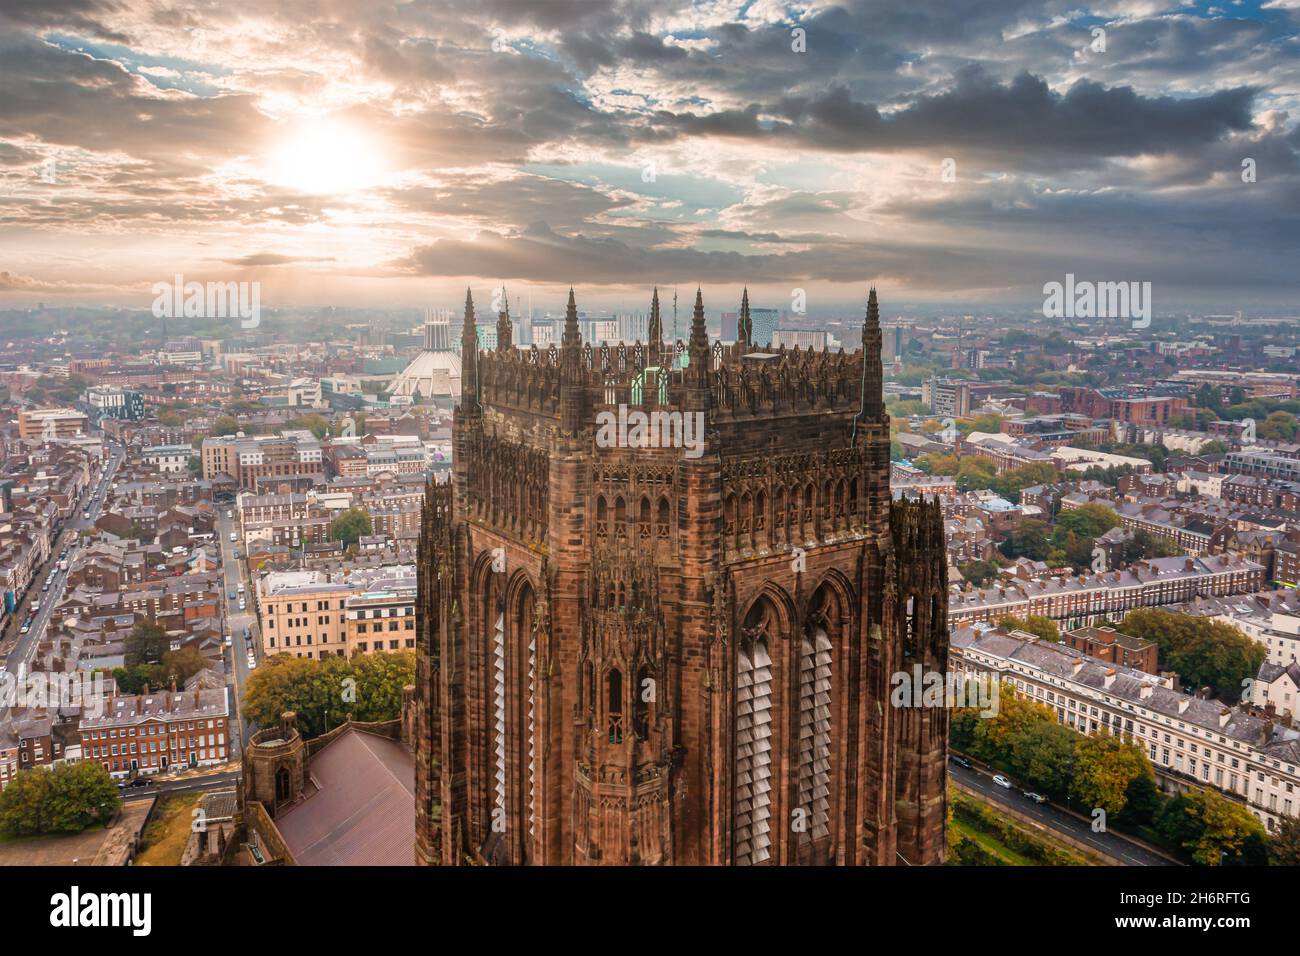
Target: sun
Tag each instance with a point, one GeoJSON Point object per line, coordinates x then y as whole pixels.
{"type": "Point", "coordinates": [325, 156]}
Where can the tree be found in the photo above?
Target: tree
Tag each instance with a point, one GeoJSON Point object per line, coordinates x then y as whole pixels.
{"type": "Point", "coordinates": [1202, 651]}
{"type": "Point", "coordinates": [974, 473]}
{"type": "Point", "coordinates": [181, 665]}
{"type": "Point", "coordinates": [132, 680]}
{"type": "Point", "coordinates": [225, 425]}
{"type": "Point", "coordinates": [1044, 754]}
{"type": "Point", "coordinates": [1208, 828]}
{"type": "Point", "coordinates": [351, 526]}
{"type": "Point", "coordinates": [1284, 844]}
{"type": "Point", "coordinates": [146, 644]}
{"type": "Point", "coordinates": [938, 464]}
{"type": "Point", "coordinates": [1104, 768]}
{"type": "Point", "coordinates": [324, 693]}
{"type": "Point", "coordinates": [313, 423]}
{"type": "Point", "coordinates": [1279, 426]}
{"type": "Point", "coordinates": [1038, 624]}
{"type": "Point", "coordinates": [1028, 540]}
{"type": "Point", "coordinates": [1087, 521]}
{"type": "Point", "coordinates": [979, 573]}
{"type": "Point", "coordinates": [66, 798]}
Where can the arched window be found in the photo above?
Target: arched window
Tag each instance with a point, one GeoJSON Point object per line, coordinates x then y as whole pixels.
{"type": "Point", "coordinates": [752, 827]}
{"type": "Point", "coordinates": [729, 515]}
{"type": "Point", "coordinates": [643, 696]}
{"type": "Point", "coordinates": [664, 518]}
{"type": "Point", "coordinates": [526, 637]}
{"type": "Point", "coordinates": [643, 519]}
{"type": "Point", "coordinates": [602, 517]}
{"type": "Point", "coordinates": [283, 789]}
{"type": "Point", "coordinates": [620, 517]}
{"type": "Point", "coordinates": [614, 705]}
{"type": "Point", "coordinates": [815, 733]}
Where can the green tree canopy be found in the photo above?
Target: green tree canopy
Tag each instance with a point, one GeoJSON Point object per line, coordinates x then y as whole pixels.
{"type": "Point", "coordinates": [146, 644]}
{"type": "Point", "coordinates": [1202, 651]}
{"type": "Point", "coordinates": [66, 798]}
{"type": "Point", "coordinates": [324, 693]}
{"type": "Point", "coordinates": [351, 526]}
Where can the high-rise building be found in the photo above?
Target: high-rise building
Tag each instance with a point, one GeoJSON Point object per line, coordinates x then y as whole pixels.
{"type": "Point", "coordinates": [679, 650]}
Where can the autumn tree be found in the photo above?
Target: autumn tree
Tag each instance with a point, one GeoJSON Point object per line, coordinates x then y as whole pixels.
{"type": "Point", "coordinates": [1207, 828]}
{"type": "Point", "coordinates": [1038, 624]}
{"type": "Point", "coordinates": [1284, 843]}
{"type": "Point", "coordinates": [324, 693]}
{"type": "Point", "coordinates": [1104, 767]}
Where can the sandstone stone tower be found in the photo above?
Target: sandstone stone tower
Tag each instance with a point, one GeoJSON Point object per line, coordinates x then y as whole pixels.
{"type": "Point", "coordinates": [658, 646]}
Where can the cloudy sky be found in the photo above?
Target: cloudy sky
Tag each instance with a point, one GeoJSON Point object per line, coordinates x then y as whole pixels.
{"type": "Point", "coordinates": [389, 153]}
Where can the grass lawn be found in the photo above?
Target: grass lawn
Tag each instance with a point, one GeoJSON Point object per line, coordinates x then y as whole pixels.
{"type": "Point", "coordinates": [167, 833]}
{"type": "Point", "coordinates": [992, 844]}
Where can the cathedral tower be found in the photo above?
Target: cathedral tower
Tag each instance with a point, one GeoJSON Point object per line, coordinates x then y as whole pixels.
{"type": "Point", "coordinates": [663, 599]}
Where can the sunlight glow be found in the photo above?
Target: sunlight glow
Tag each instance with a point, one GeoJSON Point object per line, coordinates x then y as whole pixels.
{"type": "Point", "coordinates": [325, 156]}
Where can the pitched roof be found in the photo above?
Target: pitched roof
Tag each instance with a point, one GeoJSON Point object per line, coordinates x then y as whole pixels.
{"type": "Point", "coordinates": [359, 808]}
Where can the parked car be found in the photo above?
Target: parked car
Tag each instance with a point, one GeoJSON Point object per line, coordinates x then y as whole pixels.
{"type": "Point", "coordinates": [233, 536]}
{"type": "Point", "coordinates": [230, 641]}
{"type": "Point", "coordinates": [243, 605]}
{"type": "Point", "coordinates": [24, 629]}
{"type": "Point", "coordinates": [1002, 781]}
{"type": "Point", "coordinates": [142, 782]}
{"type": "Point", "coordinates": [252, 663]}
{"type": "Point", "coordinates": [231, 594]}
{"type": "Point", "coordinates": [959, 760]}
{"type": "Point", "coordinates": [1036, 797]}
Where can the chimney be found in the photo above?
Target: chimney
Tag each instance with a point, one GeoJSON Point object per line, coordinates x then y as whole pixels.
{"type": "Point", "coordinates": [1075, 666]}
{"type": "Point", "coordinates": [1109, 679]}
{"type": "Point", "coordinates": [1188, 565]}
{"type": "Point", "coordinates": [1183, 704]}
{"type": "Point", "coordinates": [1145, 692]}
{"type": "Point", "coordinates": [1224, 716]}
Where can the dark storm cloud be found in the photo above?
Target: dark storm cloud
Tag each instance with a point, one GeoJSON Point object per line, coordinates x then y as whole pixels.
{"type": "Point", "coordinates": [1067, 157]}
{"type": "Point", "coordinates": [1024, 121]}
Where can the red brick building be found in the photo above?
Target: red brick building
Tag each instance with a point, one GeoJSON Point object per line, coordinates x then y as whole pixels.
{"type": "Point", "coordinates": [152, 732]}
{"type": "Point", "coordinates": [1108, 644]}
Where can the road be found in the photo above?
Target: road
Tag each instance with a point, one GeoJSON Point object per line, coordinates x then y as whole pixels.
{"type": "Point", "coordinates": [211, 781]}
{"type": "Point", "coordinates": [21, 646]}
{"type": "Point", "coordinates": [236, 621]}
{"type": "Point", "coordinates": [1056, 819]}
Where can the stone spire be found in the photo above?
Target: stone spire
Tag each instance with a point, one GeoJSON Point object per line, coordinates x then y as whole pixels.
{"type": "Point", "coordinates": [469, 356]}
{"type": "Point", "coordinates": [572, 336]}
{"type": "Point", "coordinates": [873, 402]}
{"type": "Point", "coordinates": [699, 334]}
{"type": "Point", "coordinates": [655, 334]}
{"type": "Point", "coordinates": [572, 375]}
{"type": "Point", "coordinates": [744, 324]}
{"type": "Point", "coordinates": [698, 360]}
{"type": "Point", "coordinates": [505, 331]}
